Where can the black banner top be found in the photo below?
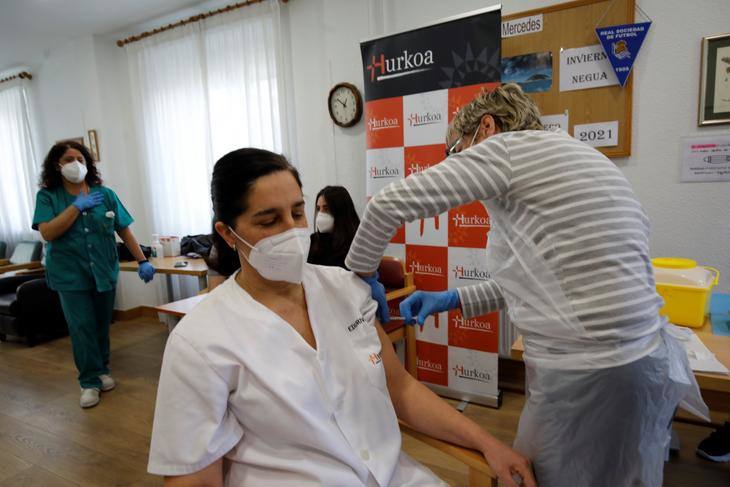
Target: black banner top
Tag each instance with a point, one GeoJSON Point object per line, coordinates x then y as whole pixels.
{"type": "Point", "coordinates": [459, 52]}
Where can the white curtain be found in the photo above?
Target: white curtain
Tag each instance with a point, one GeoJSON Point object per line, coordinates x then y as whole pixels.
{"type": "Point", "coordinates": [200, 91]}
{"type": "Point", "coordinates": [17, 164]}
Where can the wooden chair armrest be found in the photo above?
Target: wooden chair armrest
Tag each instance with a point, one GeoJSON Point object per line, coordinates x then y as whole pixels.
{"type": "Point", "coordinates": [480, 473]}
{"type": "Point", "coordinates": [400, 293]}
{"type": "Point", "coordinates": [37, 270]}
{"type": "Point", "coordinates": [17, 267]}
{"type": "Point", "coordinates": [408, 280]}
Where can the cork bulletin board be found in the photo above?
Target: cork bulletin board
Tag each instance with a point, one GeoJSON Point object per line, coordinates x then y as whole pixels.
{"type": "Point", "coordinates": [572, 25]}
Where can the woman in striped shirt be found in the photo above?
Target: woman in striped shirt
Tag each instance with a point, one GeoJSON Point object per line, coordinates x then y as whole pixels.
{"type": "Point", "coordinates": [568, 255]}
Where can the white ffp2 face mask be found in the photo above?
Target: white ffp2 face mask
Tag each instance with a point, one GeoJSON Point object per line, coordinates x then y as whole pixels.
{"type": "Point", "coordinates": [280, 257]}
{"type": "Point", "coordinates": [74, 172]}
{"type": "Point", "coordinates": [324, 222]}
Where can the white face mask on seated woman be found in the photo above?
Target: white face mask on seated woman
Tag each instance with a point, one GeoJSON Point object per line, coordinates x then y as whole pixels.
{"type": "Point", "coordinates": [324, 222]}
{"type": "Point", "coordinates": [280, 257]}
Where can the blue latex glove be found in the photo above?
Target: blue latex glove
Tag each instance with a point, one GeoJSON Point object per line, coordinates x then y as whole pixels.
{"type": "Point", "coordinates": [423, 304]}
{"type": "Point", "coordinates": [377, 290]}
{"type": "Point", "coordinates": [86, 201]}
{"type": "Point", "coordinates": [146, 271]}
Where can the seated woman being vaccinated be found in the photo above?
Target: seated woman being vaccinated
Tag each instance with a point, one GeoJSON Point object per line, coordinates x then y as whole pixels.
{"type": "Point", "coordinates": [282, 375]}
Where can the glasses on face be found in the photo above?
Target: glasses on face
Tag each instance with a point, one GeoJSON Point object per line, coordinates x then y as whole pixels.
{"type": "Point", "coordinates": [451, 150]}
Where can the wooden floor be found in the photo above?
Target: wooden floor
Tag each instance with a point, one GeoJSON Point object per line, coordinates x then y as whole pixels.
{"type": "Point", "coordinates": [47, 440]}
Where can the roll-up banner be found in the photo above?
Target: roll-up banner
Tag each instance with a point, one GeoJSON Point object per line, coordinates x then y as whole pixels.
{"type": "Point", "coordinates": [415, 82]}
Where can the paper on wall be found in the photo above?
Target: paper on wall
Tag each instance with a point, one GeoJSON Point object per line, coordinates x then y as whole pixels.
{"type": "Point", "coordinates": [559, 121]}
{"type": "Point", "coordinates": [706, 159]}
{"type": "Point", "coordinates": [585, 67]}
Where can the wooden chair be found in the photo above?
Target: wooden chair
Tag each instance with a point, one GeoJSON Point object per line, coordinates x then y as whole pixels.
{"type": "Point", "coordinates": [399, 284]}
{"type": "Point", "coordinates": [26, 255]}
{"type": "Point", "coordinates": [480, 473]}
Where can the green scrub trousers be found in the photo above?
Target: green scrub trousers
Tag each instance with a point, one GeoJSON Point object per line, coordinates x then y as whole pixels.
{"type": "Point", "coordinates": [82, 265]}
{"type": "Point", "coordinates": [88, 314]}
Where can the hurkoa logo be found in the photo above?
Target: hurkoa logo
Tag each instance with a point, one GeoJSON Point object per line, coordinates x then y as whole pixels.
{"type": "Point", "coordinates": [384, 172]}
{"type": "Point", "coordinates": [426, 269]}
{"type": "Point", "coordinates": [472, 374]}
{"type": "Point", "coordinates": [430, 366]}
{"type": "Point", "coordinates": [375, 124]}
{"type": "Point", "coordinates": [472, 324]}
{"type": "Point", "coordinates": [470, 221]}
{"type": "Point", "coordinates": [408, 63]}
{"type": "Point", "coordinates": [420, 119]}
{"type": "Point", "coordinates": [470, 273]}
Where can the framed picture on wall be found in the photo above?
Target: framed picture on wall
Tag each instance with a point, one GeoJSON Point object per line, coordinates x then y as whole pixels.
{"type": "Point", "coordinates": [715, 80]}
{"type": "Point", "coordinates": [78, 140]}
{"type": "Point", "coordinates": [94, 145]}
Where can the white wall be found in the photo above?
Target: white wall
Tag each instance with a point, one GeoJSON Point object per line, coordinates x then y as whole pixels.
{"type": "Point", "coordinates": [85, 85]}
{"type": "Point", "coordinates": [688, 220]}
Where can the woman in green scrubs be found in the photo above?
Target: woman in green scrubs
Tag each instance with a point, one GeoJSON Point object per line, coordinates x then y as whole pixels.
{"type": "Point", "coordinates": [78, 216]}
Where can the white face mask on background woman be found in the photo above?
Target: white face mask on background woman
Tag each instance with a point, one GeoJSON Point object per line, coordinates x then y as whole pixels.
{"type": "Point", "coordinates": [74, 172]}
{"type": "Point", "coordinates": [324, 222]}
{"type": "Point", "coordinates": [280, 257]}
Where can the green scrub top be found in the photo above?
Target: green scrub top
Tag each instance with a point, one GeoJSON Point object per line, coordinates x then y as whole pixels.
{"type": "Point", "coordinates": [85, 257]}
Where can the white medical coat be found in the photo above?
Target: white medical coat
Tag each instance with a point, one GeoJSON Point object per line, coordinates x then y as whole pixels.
{"type": "Point", "coordinates": [238, 381]}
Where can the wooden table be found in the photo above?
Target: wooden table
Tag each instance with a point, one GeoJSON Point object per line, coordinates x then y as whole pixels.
{"type": "Point", "coordinates": [166, 265]}
{"type": "Point", "coordinates": [36, 264]}
{"type": "Point", "coordinates": [713, 383]}
{"type": "Point", "coordinates": [180, 308]}
{"type": "Point", "coordinates": [720, 346]}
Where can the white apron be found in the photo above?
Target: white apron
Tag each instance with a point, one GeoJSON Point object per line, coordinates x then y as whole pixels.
{"type": "Point", "coordinates": [597, 413]}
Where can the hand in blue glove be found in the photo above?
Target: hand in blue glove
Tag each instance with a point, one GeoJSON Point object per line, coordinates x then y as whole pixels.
{"type": "Point", "coordinates": [146, 271]}
{"type": "Point", "coordinates": [423, 304]}
{"type": "Point", "coordinates": [86, 201]}
{"type": "Point", "coordinates": [377, 291]}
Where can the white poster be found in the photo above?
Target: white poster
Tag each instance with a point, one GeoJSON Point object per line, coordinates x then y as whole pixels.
{"type": "Point", "coordinates": [473, 372]}
{"type": "Point", "coordinates": [467, 267]}
{"type": "Point", "coordinates": [559, 121]}
{"type": "Point", "coordinates": [601, 134]}
{"type": "Point", "coordinates": [706, 159]}
{"type": "Point", "coordinates": [722, 80]}
{"type": "Point", "coordinates": [429, 231]}
{"type": "Point", "coordinates": [585, 67]}
{"type": "Point", "coordinates": [425, 118]}
{"type": "Point", "coordinates": [384, 166]}
{"type": "Point", "coordinates": [434, 330]}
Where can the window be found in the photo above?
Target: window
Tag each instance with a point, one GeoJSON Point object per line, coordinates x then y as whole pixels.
{"type": "Point", "coordinates": [17, 164]}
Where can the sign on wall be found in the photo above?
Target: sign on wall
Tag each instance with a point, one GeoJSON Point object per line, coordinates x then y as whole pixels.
{"type": "Point", "coordinates": [585, 67]}
{"type": "Point", "coordinates": [414, 84]}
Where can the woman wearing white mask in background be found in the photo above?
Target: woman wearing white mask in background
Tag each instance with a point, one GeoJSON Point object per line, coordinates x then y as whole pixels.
{"type": "Point", "coordinates": [569, 255]}
{"type": "Point", "coordinates": [78, 217]}
{"type": "Point", "coordinates": [335, 224]}
{"type": "Point", "coordinates": [282, 376]}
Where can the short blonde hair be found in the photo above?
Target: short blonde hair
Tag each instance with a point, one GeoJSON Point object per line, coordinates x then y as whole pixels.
{"type": "Point", "coordinates": [510, 107]}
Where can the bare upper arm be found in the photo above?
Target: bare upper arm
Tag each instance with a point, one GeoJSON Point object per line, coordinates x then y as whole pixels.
{"type": "Point", "coordinates": [210, 476]}
{"type": "Point", "coordinates": [395, 374]}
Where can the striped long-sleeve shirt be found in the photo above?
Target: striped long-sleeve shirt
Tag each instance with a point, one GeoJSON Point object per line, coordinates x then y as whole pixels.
{"type": "Point", "coordinates": [577, 211]}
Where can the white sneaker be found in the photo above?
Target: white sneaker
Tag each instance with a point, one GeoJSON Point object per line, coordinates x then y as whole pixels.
{"type": "Point", "coordinates": [89, 398]}
{"type": "Point", "coordinates": [107, 382]}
